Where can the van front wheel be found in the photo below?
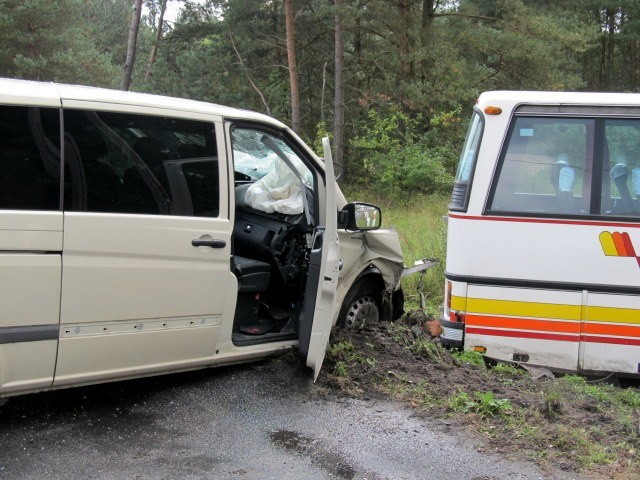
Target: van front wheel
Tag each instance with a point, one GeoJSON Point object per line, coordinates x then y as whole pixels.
{"type": "Point", "coordinates": [361, 306]}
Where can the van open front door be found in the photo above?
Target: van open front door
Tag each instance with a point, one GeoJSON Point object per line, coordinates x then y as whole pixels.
{"type": "Point", "coordinates": [323, 275]}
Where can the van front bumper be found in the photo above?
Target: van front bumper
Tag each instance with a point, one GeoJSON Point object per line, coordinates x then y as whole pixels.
{"type": "Point", "coordinates": [452, 334]}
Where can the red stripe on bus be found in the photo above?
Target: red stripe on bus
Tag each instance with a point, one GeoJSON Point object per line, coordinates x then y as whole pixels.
{"type": "Point", "coordinates": [611, 340]}
{"type": "Point", "coordinates": [555, 337]}
{"type": "Point", "coordinates": [593, 223]}
{"type": "Point", "coordinates": [521, 334]}
{"type": "Point", "coordinates": [540, 324]}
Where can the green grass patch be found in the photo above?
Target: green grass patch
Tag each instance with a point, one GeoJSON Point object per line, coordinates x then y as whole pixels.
{"type": "Point", "coordinates": [469, 357]}
{"type": "Point", "coordinates": [485, 404]}
{"type": "Point", "coordinates": [345, 353]}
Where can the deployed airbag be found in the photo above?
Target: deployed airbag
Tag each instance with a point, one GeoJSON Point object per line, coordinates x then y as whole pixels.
{"type": "Point", "coordinates": [279, 190]}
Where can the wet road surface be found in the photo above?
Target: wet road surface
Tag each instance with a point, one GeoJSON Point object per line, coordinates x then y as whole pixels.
{"type": "Point", "coordinates": [260, 421]}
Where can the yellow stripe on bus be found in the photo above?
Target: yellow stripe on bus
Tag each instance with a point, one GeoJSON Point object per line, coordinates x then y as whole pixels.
{"type": "Point", "coordinates": [519, 309]}
{"type": "Point", "coordinates": [545, 310]}
{"type": "Point", "coordinates": [458, 303]}
{"type": "Point", "coordinates": [613, 315]}
{"type": "Point", "coordinates": [524, 309]}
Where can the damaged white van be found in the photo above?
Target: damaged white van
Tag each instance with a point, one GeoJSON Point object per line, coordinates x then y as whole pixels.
{"type": "Point", "coordinates": [142, 234]}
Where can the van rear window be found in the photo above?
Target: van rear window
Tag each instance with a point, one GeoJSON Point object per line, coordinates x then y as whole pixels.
{"type": "Point", "coordinates": [545, 167]}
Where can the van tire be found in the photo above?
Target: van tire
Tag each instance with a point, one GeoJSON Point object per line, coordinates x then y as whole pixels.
{"type": "Point", "coordinates": [361, 305]}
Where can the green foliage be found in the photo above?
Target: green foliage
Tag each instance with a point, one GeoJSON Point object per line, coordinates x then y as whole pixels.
{"type": "Point", "coordinates": [397, 160]}
{"type": "Point", "coordinates": [552, 403]}
{"type": "Point", "coordinates": [44, 40]}
{"type": "Point", "coordinates": [340, 369]}
{"type": "Point", "coordinates": [411, 75]}
{"type": "Point", "coordinates": [507, 370]}
{"type": "Point", "coordinates": [484, 404]}
{"type": "Point", "coordinates": [629, 397]}
{"type": "Point", "coordinates": [428, 349]}
{"type": "Point", "coordinates": [470, 357]}
{"type": "Point", "coordinates": [346, 353]}
{"type": "Point", "coordinates": [596, 390]}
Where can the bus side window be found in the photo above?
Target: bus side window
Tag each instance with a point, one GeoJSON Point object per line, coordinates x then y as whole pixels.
{"type": "Point", "coordinates": [621, 168]}
{"type": "Point", "coordinates": [542, 169]}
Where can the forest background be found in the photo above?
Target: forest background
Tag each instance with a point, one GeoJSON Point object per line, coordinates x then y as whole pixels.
{"type": "Point", "coordinates": [392, 81]}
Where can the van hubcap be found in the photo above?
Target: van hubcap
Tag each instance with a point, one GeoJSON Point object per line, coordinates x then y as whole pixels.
{"type": "Point", "coordinates": [362, 310]}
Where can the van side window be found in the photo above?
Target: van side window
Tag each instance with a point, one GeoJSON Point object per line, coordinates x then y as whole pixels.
{"type": "Point", "coordinates": [29, 158]}
{"type": "Point", "coordinates": [546, 167]}
{"type": "Point", "coordinates": [621, 168]}
{"type": "Point", "coordinates": [125, 163]}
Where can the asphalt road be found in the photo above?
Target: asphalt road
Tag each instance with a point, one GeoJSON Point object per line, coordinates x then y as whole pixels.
{"type": "Point", "coordinates": [261, 421]}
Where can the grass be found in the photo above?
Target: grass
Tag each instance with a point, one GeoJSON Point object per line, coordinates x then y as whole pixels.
{"type": "Point", "coordinates": [419, 220]}
{"type": "Point", "coordinates": [347, 353]}
{"type": "Point", "coordinates": [467, 356]}
{"type": "Point", "coordinates": [485, 404]}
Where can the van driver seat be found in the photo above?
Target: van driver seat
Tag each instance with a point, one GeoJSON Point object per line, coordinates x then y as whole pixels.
{"type": "Point", "coordinates": [253, 275]}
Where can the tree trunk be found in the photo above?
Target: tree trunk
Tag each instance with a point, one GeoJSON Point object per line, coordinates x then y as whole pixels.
{"type": "Point", "coordinates": [131, 45]}
{"type": "Point", "coordinates": [338, 116]}
{"type": "Point", "coordinates": [428, 12]}
{"type": "Point", "coordinates": [403, 13]}
{"type": "Point", "coordinates": [293, 66]}
{"type": "Point", "coordinates": [154, 48]}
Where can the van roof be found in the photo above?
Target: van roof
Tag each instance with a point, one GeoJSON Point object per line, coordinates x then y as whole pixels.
{"type": "Point", "coordinates": [12, 91]}
{"type": "Point", "coordinates": [559, 98]}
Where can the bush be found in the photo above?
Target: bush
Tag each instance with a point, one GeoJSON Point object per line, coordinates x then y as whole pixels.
{"type": "Point", "coordinates": [398, 156]}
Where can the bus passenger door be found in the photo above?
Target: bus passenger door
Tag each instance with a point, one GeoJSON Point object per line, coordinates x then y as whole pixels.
{"type": "Point", "coordinates": [611, 333]}
{"type": "Point", "coordinates": [533, 326]}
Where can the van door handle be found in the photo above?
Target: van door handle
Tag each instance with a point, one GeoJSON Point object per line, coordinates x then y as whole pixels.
{"type": "Point", "coordinates": [208, 243]}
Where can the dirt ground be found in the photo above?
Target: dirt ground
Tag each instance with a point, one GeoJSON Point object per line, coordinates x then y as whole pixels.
{"type": "Point", "coordinates": [570, 423]}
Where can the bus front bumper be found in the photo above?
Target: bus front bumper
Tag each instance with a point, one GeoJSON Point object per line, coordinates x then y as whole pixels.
{"type": "Point", "coordinates": [452, 334]}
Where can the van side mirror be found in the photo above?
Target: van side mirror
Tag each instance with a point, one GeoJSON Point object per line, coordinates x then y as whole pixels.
{"type": "Point", "coordinates": [360, 216]}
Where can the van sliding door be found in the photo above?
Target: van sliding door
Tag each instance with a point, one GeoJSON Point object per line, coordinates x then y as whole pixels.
{"type": "Point", "coordinates": [147, 241]}
{"type": "Point", "coordinates": [30, 244]}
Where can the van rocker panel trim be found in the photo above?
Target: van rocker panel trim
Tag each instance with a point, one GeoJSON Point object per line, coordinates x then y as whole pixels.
{"type": "Point", "coordinates": [30, 333]}
{"type": "Point", "coordinates": [540, 284]}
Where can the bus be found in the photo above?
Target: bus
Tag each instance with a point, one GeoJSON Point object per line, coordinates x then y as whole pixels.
{"type": "Point", "coordinates": [543, 254]}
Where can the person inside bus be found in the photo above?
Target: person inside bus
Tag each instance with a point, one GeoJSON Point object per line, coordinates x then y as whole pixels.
{"type": "Point", "coordinates": [563, 178]}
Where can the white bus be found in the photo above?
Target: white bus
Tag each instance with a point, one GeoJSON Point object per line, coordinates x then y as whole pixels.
{"type": "Point", "coordinates": [543, 255]}
{"type": "Point", "coordinates": [142, 234]}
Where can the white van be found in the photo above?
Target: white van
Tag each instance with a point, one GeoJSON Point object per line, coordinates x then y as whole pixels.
{"type": "Point", "coordinates": [142, 234]}
{"type": "Point", "coordinates": [543, 256]}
